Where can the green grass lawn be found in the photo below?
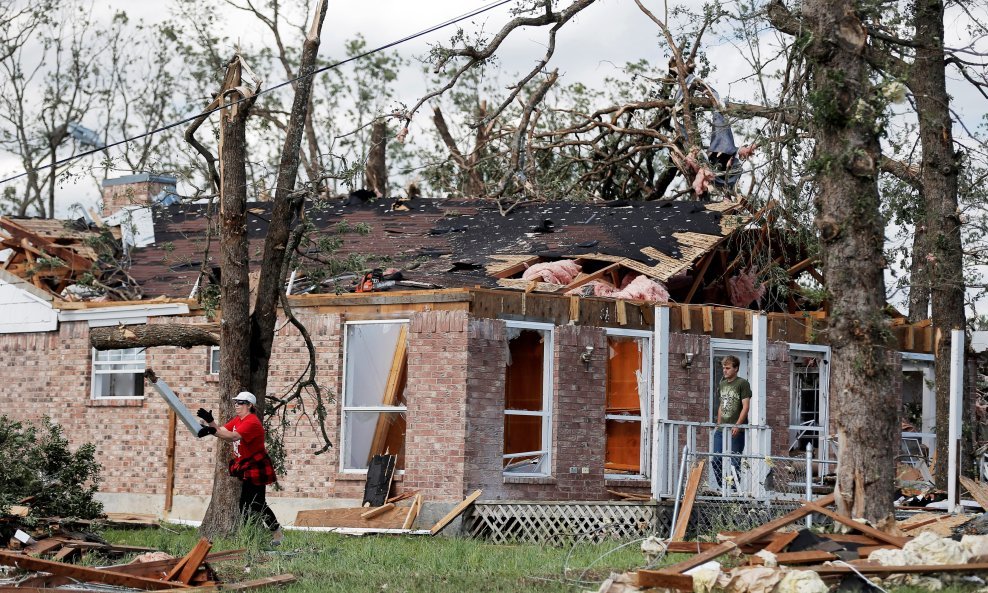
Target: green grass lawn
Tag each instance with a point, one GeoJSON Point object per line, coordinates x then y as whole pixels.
{"type": "Point", "coordinates": [327, 562]}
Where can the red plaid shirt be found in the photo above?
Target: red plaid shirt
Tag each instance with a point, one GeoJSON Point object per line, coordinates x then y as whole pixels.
{"type": "Point", "coordinates": [256, 469]}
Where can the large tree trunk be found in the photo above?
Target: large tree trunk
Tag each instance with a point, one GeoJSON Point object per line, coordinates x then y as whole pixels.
{"type": "Point", "coordinates": [286, 204]}
{"type": "Point", "coordinates": [852, 236]}
{"type": "Point", "coordinates": [148, 336]}
{"type": "Point", "coordinates": [222, 515]}
{"type": "Point", "coordinates": [377, 164]}
{"type": "Point", "coordinates": [938, 175]}
{"type": "Point", "coordinates": [919, 278]}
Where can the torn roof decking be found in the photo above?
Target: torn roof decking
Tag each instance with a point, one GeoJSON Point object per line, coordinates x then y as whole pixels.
{"type": "Point", "coordinates": [454, 243]}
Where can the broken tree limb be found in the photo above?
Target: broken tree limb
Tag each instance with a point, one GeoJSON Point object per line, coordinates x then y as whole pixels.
{"type": "Point", "coordinates": [146, 336]}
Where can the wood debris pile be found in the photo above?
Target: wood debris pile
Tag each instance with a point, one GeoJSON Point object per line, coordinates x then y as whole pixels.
{"type": "Point", "coordinates": [778, 558]}
{"type": "Point", "coordinates": [42, 554]}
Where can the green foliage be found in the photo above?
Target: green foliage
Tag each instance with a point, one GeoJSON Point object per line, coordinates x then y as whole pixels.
{"type": "Point", "coordinates": [35, 460]}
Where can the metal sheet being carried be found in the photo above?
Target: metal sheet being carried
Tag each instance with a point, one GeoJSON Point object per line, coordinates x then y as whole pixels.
{"type": "Point", "coordinates": [184, 414]}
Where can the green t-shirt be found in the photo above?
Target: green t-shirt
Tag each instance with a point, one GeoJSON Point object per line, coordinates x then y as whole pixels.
{"type": "Point", "coordinates": [731, 395]}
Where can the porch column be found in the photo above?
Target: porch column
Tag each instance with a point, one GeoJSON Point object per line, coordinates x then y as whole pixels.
{"type": "Point", "coordinates": [759, 443]}
{"type": "Point", "coordinates": [660, 401]}
{"type": "Point", "coordinates": [956, 403]}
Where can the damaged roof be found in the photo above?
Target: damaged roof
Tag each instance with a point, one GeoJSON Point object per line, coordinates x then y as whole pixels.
{"type": "Point", "coordinates": [456, 243]}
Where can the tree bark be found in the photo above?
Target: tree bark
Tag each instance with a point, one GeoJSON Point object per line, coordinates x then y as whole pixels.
{"type": "Point", "coordinates": [148, 336]}
{"type": "Point", "coordinates": [851, 229]}
{"type": "Point", "coordinates": [223, 516]}
{"type": "Point", "coordinates": [938, 176]}
{"type": "Point", "coordinates": [377, 165]}
{"type": "Point", "coordinates": [919, 279]}
{"type": "Point", "coordinates": [286, 204]}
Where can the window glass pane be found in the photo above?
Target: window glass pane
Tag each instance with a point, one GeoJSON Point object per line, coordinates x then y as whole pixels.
{"type": "Point", "coordinates": [214, 360]}
{"type": "Point", "coordinates": [623, 365]}
{"type": "Point", "coordinates": [119, 385]}
{"type": "Point", "coordinates": [523, 375]}
{"type": "Point", "coordinates": [623, 451]}
{"type": "Point", "coordinates": [804, 405]}
{"type": "Point", "coordinates": [118, 373]}
{"type": "Point", "coordinates": [374, 433]}
{"type": "Point", "coordinates": [522, 433]}
{"type": "Point", "coordinates": [375, 366]}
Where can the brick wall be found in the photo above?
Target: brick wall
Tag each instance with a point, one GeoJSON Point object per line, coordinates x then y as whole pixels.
{"type": "Point", "coordinates": [689, 388]}
{"type": "Point", "coordinates": [778, 386]}
{"type": "Point", "coordinates": [133, 190]}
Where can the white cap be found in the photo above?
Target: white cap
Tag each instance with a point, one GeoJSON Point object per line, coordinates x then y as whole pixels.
{"type": "Point", "coordinates": [246, 396]}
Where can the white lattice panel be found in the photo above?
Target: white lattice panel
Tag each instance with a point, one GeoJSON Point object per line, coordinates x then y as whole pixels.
{"type": "Point", "coordinates": [559, 523]}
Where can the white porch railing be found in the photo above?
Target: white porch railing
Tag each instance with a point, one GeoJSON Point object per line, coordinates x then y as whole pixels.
{"type": "Point", "coordinates": [676, 437]}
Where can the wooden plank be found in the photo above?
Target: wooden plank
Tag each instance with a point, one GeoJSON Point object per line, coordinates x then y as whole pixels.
{"type": "Point", "coordinates": [402, 496]}
{"type": "Point", "coordinates": [708, 319]}
{"type": "Point", "coordinates": [978, 491]}
{"type": "Point", "coordinates": [377, 511]}
{"type": "Point", "coordinates": [170, 461]}
{"type": "Point", "coordinates": [664, 579]}
{"type": "Point", "coordinates": [574, 309]}
{"type": "Point", "coordinates": [413, 512]}
{"type": "Point", "coordinates": [44, 546]}
{"type": "Point", "coordinates": [689, 497]}
{"type": "Point", "coordinates": [728, 321]}
{"type": "Point", "coordinates": [65, 553]}
{"type": "Point", "coordinates": [159, 568]}
{"type": "Point", "coordinates": [780, 541]}
{"type": "Point", "coordinates": [350, 517]}
{"type": "Point", "coordinates": [85, 574]}
{"type": "Point", "coordinates": [200, 550]}
{"type": "Point", "coordinates": [591, 277]}
{"type": "Point", "coordinates": [803, 557]}
{"type": "Point", "coordinates": [194, 560]}
{"type": "Point", "coordinates": [442, 523]}
{"type": "Point", "coordinates": [747, 323]}
{"type": "Point", "coordinates": [865, 529]}
{"type": "Point", "coordinates": [390, 397]}
{"type": "Point", "coordinates": [749, 536]}
{"type": "Point", "coordinates": [684, 317]}
{"type": "Point", "coordinates": [622, 313]}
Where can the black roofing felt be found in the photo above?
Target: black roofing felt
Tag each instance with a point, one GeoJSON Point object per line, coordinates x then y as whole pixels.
{"type": "Point", "coordinates": [456, 237]}
{"type": "Point", "coordinates": [621, 230]}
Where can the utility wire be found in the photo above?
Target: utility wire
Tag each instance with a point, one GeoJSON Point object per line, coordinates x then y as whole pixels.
{"type": "Point", "coordinates": [333, 66]}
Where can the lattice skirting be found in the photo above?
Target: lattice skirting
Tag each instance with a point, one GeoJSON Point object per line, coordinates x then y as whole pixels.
{"type": "Point", "coordinates": [561, 523]}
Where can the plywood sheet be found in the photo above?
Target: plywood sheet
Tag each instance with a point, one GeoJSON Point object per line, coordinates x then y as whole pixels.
{"type": "Point", "coordinates": [350, 517]}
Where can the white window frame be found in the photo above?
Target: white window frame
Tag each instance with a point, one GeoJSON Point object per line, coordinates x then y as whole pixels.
{"type": "Point", "coordinates": [105, 367]}
{"type": "Point", "coordinates": [214, 370]}
{"type": "Point", "coordinates": [344, 408]}
{"type": "Point", "coordinates": [823, 453]}
{"type": "Point", "coordinates": [547, 400]}
{"type": "Point", "coordinates": [645, 418]}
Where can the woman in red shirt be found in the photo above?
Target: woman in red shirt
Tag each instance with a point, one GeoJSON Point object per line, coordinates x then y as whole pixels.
{"type": "Point", "coordinates": [251, 464]}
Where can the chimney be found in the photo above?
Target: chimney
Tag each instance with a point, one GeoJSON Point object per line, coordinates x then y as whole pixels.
{"type": "Point", "coordinates": [144, 189]}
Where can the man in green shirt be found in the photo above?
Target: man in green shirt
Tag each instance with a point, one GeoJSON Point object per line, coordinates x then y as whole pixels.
{"type": "Point", "coordinates": [735, 397]}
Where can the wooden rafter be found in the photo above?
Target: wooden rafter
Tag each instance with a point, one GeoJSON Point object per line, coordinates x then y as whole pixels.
{"type": "Point", "coordinates": [591, 277]}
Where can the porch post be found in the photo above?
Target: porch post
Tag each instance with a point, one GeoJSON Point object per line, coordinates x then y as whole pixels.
{"type": "Point", "coordinates": [956, 403]}
{"type": "Point", "coordinates": [758, 411]}
{"type": "Point", "coordinates": [660, 400]}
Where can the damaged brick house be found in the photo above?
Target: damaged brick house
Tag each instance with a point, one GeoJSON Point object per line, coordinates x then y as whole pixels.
{"type": "Point", "coordinates": [531, 388]}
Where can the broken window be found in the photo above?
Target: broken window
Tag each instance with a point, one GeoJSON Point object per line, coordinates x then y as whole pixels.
{"type": "Point", "coordinates": [528, 399]}
{"type": "Point", "coordinates": [807, 403]}
{"type": "Point", "coordinates": [627, 403]}
{"type": "Point", "coordinates": [118, 373]}
{"type": "Point", "coordinates": [375, 373]}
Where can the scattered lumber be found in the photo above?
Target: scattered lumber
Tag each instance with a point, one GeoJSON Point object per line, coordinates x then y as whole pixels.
{"type": "Point", "coordinates": [453, 514]}
{"type": "Point", "coordinates": [413, 512]}
{"type": "Point", "coordinates": [689, 497]}
{"type": "Point", "coordinates": [979, 492]}
{"type": "Point", "coordinates": [85, 574]}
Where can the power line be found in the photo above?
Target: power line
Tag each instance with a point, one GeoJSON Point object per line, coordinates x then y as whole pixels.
{"type": "Point", "coordinates": [333, 66]}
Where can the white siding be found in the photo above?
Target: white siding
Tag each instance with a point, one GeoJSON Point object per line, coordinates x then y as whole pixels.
{"type": "Point", "coordinates": [22, 312]}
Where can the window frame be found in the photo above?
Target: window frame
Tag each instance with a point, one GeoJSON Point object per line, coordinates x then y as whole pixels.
{"type": "Point", "coordinates": [645, 414]}
{"type": "Point", "coordinates": [215, 372]}
{"type": "Point", "coordinates": [548, 353]}
{"type": "Point", "coordinates": [96, 370]}
{"type": "Point", "coordinates": [344, 408]}
{"type": "Point", "coordinates": [821, 453]}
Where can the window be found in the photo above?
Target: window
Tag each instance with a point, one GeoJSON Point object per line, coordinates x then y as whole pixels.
{"type": "Point", "coordinates": [628, 404]}
{"type": "Point", "coordinates": [375, 373]}
{"type": "Point", "coordinates": [118, 373]}
{"type": "Point", "coordinates": [807, 402]}
{"type": "Point", "coordinates": [214, 360]}
{"type": "Point", "coordinates": [528, 399]}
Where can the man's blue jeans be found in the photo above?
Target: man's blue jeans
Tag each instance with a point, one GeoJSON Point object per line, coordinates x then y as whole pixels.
{"type": "Point", "coordinates": [736, 446]}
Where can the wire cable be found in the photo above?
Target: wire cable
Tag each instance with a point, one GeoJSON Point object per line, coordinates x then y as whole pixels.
{"type": "Point", "coordinates": [166, 127]}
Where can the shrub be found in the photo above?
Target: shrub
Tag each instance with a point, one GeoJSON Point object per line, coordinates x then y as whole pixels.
{"type": "Point", "coordinates": [35, 460]}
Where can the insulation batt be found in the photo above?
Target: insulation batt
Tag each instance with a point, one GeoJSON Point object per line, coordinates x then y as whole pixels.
{"type": "Point", "coordinates": [708, 578]}
{"type": "Point", "coordinates": [801, 581]}
{"type": "Point", "coordinates": [642, 288]}
{"type": "Point", "coordinates": [554, 272]}
{"type": "Point", "coordinates": [926, 548]}
{"type": "Point", "coordinates": [744, 288]}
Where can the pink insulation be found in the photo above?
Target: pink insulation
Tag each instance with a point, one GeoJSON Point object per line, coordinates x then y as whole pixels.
{"type": "Point", "coordinates": [744, 288]}
{"type": "Point", "coordinates": [641, 288]}
{"type": "Point", "coordinates": [554, 272]}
